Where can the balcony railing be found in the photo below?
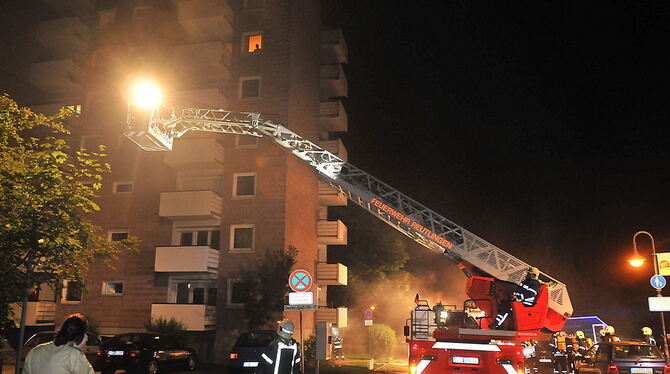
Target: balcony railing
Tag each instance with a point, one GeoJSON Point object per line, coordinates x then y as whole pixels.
{"type": "Point", "coordinates": [63, 38]}
{"type": "Point", "coordinates": [335, 147]}
{"type": "Point", "coordinates": [38, 313]}
{"type": "Point", "coordinates": [333, 82]}
{"type": "Point", "coordinates": [336, 316]}
{"type": "Point", "coordinates": [196, 153]}
{"type": "Point", "coordinates": [195, 317]}
{"type": "Point", "coordinates": [332, 232]}
{"type": "Point", "coordinates": [80, 8]}
{"type": "Point", "coordinates": [331, 274]}
{"type": "Point", "coordinates": [330, 197]}
{"type": "Point", "coordinates": [179, 259]}
{"type": "Point", "coordinates": [203, 62]}
{"type": "Point", "coordinates": [206, 19]}
{"type": "Point", "coordinates": [191, 205]}
{"type": "Point", "coordinates": [332, 116]}
{"type": "Point", "coordinates": [333, 47]}
{"type": "Point", "coordinates": [57, 77]}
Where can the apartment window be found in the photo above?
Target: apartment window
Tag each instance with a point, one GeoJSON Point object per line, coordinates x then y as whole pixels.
{"type": "Point", "coordinates": [254, 4]}
{"type": "Point", "coordinates": [252, 42]}
{"type": "Point", "coordinates": [106, 19]}
{"type": "Point", "coordinates": [195, 292]}
{"type": "Point", "coordinates": [250, 87]}
{"type": "Point", "coordinates": [112, 288]}
{"type": "Point", "coordinates": [72, 291]}
{"type": "Point", "coordinates": [246, 141]}
{"type": "Point", "coordinates": [201, 237]}
{"type": "Point", "coordinates": [90, 142]}
{"type": "Point", "coordinates": [244, 184]}
{"type": "Point", "coordinates": [236, 293]}
{"type": "Point", "coordinates": [117, 235]}
{"type": "Point", "coordinates": [242, 238]}
{"type": "Point", "coordinates": [122, 187]}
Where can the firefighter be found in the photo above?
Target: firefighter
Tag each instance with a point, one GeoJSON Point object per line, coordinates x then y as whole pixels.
{"type": "Point", "coordinates": [560, 355]}
{"type": "Point", "coordinates": [610, 335]}
{"type": "Point", "coordinates": [583, 344]}
{"type": "Point", "coordinates": [571, 352]}
{"type": "Point", "coordinates": [526, 293]}
{"type": "Point", "coordinates": [282, 356]}
{"type": "Point", "coordinates": [648, 337]}
{"type": "Point", "coordinates": [602, 335]}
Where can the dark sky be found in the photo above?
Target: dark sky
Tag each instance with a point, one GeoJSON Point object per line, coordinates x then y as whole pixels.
{"type": "Point", "coordinates": [541, 127]}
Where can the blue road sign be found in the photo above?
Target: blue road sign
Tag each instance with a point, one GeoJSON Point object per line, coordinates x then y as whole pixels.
{"type": "Point", "coordinates": [658, 281]}
{"type": "Point", "coordinates": [300, 280]}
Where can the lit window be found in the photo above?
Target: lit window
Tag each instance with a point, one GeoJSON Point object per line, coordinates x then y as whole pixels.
{"type": "Point", "coordinates": [254, 4]}
{"type": "Point", "coordinates": [242, 238]}
{"type": "Point", "coordinates": [244, 185]}
{"type": "Point", "coordinates": [250, 87]}
{"type": "Point", "coordinates": [113, 288]}
{"type": "Point", "coordinates": [117, 235]}
{"type": "Point", "coordinates": [246, 141]}
{"type": "Point", "coordinates": [72, 291]}
{"type": "Point", "coordinates": [236, 294]}
{"type": "Point", "coordinates": [252, 42]}
{"type": "Point", "coordinates": [122, 187]}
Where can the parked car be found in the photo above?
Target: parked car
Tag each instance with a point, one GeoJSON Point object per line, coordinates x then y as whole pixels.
{"type": "Point", "coordinates": [145, 352]}
{"type": "Point", "coordinates": [623, 357]}
{"type": "Point", "coordinates": [247, 350]}
{"type": "Point", "coordinates": [90, 349]}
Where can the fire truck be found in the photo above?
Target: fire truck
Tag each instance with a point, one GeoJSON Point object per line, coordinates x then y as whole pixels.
{"type": "Point", "coordinates": [450, 345]}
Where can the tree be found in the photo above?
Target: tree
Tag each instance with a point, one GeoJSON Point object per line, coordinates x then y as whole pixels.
{"type": "Point", "coordinates": [265, 286]}
{"type": "Point", "coordinates": [172, 327]}
{"type": "Point", "coordinates": [382, 340]}
{"type": "Point", "coordinates": [46, 190]}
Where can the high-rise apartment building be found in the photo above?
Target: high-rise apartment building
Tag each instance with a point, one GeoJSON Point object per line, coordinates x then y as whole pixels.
{"type": "Point", "coordinates": [217, 202]}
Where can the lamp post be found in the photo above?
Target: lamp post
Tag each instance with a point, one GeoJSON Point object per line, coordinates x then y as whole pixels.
{"type": "Point", "coordinates": [637, 261]}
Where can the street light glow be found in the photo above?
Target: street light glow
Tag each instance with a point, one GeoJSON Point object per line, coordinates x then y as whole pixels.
{"type": "Point", "coordinates": [636, 262]}
{"type": "Point", "coordinates": [147, 95]}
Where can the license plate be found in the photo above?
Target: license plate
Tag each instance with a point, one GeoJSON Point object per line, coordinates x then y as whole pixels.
{"type": "Point", "coordinates": [545, 360]}
{"type": "Point", "coordinates": [115, 353]}
{"type": "Point", "coordinates": [642, 370]}
{"type": "Point", "coordinates": [250, 364]}
{"type": "Point", "coordinates": [465, 360]}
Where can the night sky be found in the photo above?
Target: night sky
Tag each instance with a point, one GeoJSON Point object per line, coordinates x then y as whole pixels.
{"type": "Point", "coordinates": [541, 127]}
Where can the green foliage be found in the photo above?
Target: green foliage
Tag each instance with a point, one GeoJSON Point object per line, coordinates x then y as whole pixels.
{"type": "Point", "coordinates": [172, 327]}
{"type": "Point", "coordinates": [382, 340]}
{"type": "Point", "coordinates": [46, 190]}
{"type": "Point", "coordinates": [265, 286]}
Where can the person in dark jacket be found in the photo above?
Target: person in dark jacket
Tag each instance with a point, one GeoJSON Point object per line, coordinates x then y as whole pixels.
{"type": "Point", "coordinates": [282, 356]}
{"type": "Point", "coordinates": [526, 293]}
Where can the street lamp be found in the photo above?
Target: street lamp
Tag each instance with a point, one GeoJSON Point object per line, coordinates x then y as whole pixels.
{"type": "Point", "coordinates": [636, 261]}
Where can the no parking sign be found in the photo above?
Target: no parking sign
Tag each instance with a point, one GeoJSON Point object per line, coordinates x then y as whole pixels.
{"type": "Point", "coordinates": [300, 280]}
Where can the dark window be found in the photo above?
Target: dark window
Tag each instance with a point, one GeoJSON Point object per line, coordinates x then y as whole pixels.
{"type": "Point", "coordinates": [202, 237]}
{"type": "Point", "coordinates": [245, 185]}
{"type": "Point", "coordinates": [73, 291]}
{"type": "Point", "coordinates": [237, 293]}
{"type": "Point", "coordinates": [186, 238]}
{"type": "Point", "coordinates": [182, 293]}
{"type": "Point", "coordinates": [243, 237]}
{"type": "Point", "coordinates": [216, 239]}
{"type": "Point", "coordinates": [211, 296]}
{"type": "Point", "coordinates": [118, 236]}
{"type": "Point", "coordinates": [123, 188]}
{"type": "Point", "coordinates": [198, 296]}
{"type": "Point", "coordinates": [251, 88]}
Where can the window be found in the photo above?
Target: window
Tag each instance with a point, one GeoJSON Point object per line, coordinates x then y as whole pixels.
{"type": "Point", "coordinates": [195, 292]}
{"type": "Point", "coordinates": [90, 142]}
{"type": "Point", "coordinates": [242, 238]}
{"type": "Point", "coordinates": [117, 235]}
{"type": "Point", "coordinates": [252, 42]}
{"type": "Point", "coordinates": [236, 293]}
{"type": "Point", "coordinates": [199, 236]}
{"type": "Point", "coordinates": [122, 187]}
{"type": "Point", "coordinates": [254, 4]}
{"type": "Point", "coordinates": [106, 19]}
{"type": "Point", "coordinates": [113, 288]}
{"type": "Point", "coordinates": [250, 87]}
{"type": "Point", "coordinates": [72, 291]}
{"type": "Point", "coordinates": [246, 141]}
{"type": "Point", "coordinates": [244, 184]}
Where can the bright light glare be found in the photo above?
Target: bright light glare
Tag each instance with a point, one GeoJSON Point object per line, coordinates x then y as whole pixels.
{"type": "Point", "coordinates": [636, 262]}
{"type": "Point", "coordinates": [147, 95]}
{"type": "Point", "coordinates": [372, 307]}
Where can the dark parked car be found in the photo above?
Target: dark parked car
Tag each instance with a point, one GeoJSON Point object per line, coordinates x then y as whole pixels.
{"type": "Point", "coordinates": [247, 350]}
{"type": "Point", "coordinates": [624, 357]}
{"type": "Point", "coordinates": [145, 352]}
{"type": "Point", "coordinates": [90, 349]}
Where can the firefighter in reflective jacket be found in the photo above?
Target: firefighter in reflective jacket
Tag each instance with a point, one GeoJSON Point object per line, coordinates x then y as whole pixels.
{"type": "Point", "coordinates": [583, 344]}
{"type": "Point", "coordinates": [648, 337]}
{"type": "Point", "coordinates": [560, 355]}
{"type": "Point", "coordinates": [526, 293]}
{"type": "Point", "coordinates": [282, 356]}
{"type": "Point", "coordinates": [610, 335]}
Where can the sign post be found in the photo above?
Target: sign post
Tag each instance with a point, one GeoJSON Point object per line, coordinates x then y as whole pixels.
{"type": "Point", "coordinates": [300, 281]}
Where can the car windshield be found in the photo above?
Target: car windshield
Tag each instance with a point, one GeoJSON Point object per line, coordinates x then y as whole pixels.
{"type": "Point", "coordinates": [255, 339]}
{"type": "Point", "coordinates": [636, 352]}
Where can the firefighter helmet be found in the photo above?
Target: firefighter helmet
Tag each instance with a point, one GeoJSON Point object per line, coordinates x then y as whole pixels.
{"type": "Point", "coordinates": [609, 330]}
{"type": "Point", "coordinates": [646, 331]}
{"type": "Point", "coordinates": [580, 334]}
{"type": "Point", "coordinates": [533, 273]}
{"type": "Point", "coordinates": [602, 332]}
{"type": "Point", "coordinates": [286, 329]}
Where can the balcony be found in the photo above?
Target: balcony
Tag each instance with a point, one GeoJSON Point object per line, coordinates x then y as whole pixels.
{"type": "Point", "coordinates": [57, 77]}
{"type": "Point", "coordinates": [335, 147]}
{"type": "Point", "coordinates": [331, 197]}
{"type": "Point", "coordinates": [190, 205]}
{"type": "Point", "coordinates": [336, 316]}
{"type": "Point", "coordinates": [212, 97]}
{"type": "Point", "coordinates": [195, 317]}
{"type": "Point", "coordinates": [206, 19]}
{"type": "Point", "coordinates": [63, 38]}
{"type": "Point", "coordinates": [331, 232]}
{"type": "Point", "coordinates": [39, 313]}
{"type": "Point", "coordinates": [333, 47]}
{"type": "Point", "coordinates": [332, 116]}
{"type": "Point", "coordinates": [331, 274]}
{"type": "Point", "coordinates": [203, 62]}
{"type": "Point", "coordinates": [333, 82]}
{"type": "Point", "coordinates": [193, 259]}
{"type": "Point", "coordinates": [196, 153]}
{"type": "Point", "coordinates": [79, 8]}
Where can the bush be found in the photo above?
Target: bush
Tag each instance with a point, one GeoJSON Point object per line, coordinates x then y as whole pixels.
{"type": "Point", "coordinates": [382, 340]}
{"type": "Point", "coordinates": [172, 327]}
